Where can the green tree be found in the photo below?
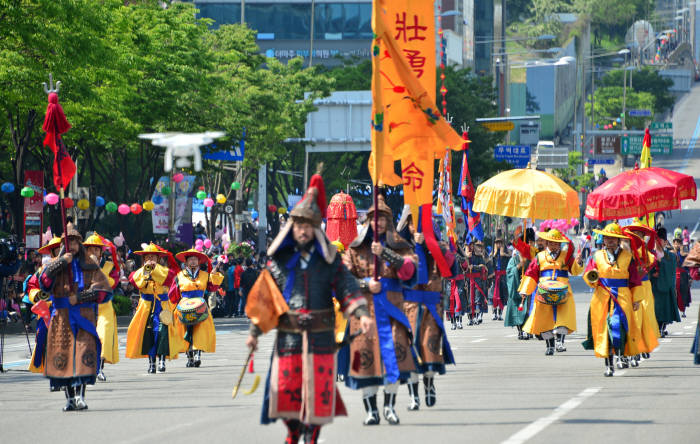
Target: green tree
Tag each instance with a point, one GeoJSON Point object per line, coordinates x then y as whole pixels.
{"type": "Point", "coordinates": [608, 105]}
{"type": "Point", "coordinates": [645, 80]}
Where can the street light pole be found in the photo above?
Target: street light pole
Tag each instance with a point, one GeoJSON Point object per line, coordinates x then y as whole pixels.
{"type": "Point", "coordinates": [624, 93]}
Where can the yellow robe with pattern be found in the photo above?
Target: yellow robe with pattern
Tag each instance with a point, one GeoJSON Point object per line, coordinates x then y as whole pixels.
{"type": "Point", "coordinates": [541, 318]}
{"type": "Point", "coordinates": [646, 315]}
{"type": "Point", "coordinates": [107, 323]}
{"type": "Point", "coordinates": [154, 287]}
{"type": "Point", "coordinates": [203, 334]}
{"type": "Point", "coordinates": [602, 304]}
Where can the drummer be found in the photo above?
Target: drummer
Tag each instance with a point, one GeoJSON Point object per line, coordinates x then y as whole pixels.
{"type": "Point", "coordinates": [193, 282]}
{"type": "Point", "coordinates": [555, 263]}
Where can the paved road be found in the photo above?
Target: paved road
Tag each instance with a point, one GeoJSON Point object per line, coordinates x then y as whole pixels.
{"type": "Point", "coordinates": [502, 390]}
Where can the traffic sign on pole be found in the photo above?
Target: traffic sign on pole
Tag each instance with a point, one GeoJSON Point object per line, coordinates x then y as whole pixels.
{"type": "Point", "coordinates": [516, 155]}
{"type": "Point", "coordinates": [661, 126]}
{"type": "Point", "coordinates": [659, 144]}
{"type": "Point", "coordinates": [639, 113]}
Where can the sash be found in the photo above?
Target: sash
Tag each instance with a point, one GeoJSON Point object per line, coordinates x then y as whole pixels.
{"type": "Point", "coordinates": [40, 347]}
{"type": "Point", "coordinates": [455, 302]}
{"type": "Point", "coordinates": [618, 319]}
{"type": "Point", "coordinates": [431, 299]}
{"type": "Point", "coordinates": [497, 288]}
{"type": "Point", "coordinates": [163, 297]}
{"type": "Point", "coordinates": [384, 312]}
{"type": "Point", "coordinates": [190, 294]}
{"type": "Point", "coordinates": [77, 321]}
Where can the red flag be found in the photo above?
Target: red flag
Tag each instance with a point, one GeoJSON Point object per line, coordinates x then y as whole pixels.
{"type": "Point", "coordinates": [55, 124]}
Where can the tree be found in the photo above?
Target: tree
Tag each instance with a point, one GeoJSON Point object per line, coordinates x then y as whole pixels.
{"type": "Point", "coordinates": [608, 105]}
{"type": "Point", "coordinates": [645, 80]}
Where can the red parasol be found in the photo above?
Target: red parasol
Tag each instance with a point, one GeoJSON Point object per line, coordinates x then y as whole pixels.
{"type": "Point", "coordinates": [634, 193]}
{"type": "Point", "coordinates": [687, 189]}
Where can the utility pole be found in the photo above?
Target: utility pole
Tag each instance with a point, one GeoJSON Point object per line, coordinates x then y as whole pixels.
{"type": "Point", "coordinates": [262, 208]}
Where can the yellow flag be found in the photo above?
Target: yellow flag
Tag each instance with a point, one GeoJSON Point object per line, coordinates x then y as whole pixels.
{"type": "Point", "coordinates": [645, 162]}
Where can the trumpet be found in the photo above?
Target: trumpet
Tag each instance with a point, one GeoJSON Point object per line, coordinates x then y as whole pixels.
{"type": "Point", "coordinates": [592, 276]}
{"type": "Point", "coordinates": [147, 270]}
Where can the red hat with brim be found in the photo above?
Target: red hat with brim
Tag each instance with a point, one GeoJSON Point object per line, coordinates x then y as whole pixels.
{"type": "Point", "coordinates": [183, 255]}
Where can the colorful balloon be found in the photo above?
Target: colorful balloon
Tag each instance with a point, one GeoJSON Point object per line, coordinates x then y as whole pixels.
{"type": "Point", "coordinates": [201, 194]}
{"type": "Point", "coordinates": [271, 208]}
{"type": "Point", "coordinates": [148, 205]}
{"type": "Point", "coordinates": [83, 204]}
{"type": "Point", "coordinates": [158, 199]}
{"type": "Point", "coordinates": [282, 210]}
{"type": "Point", "coordinates": [68, 202]}
{"type": "Point", "coordinates": [220, 199]}
{"type": "Point", "coordinates": [207, 243]}
{"type": "Point", "coordinates": [99, 201]}
{"type": "Point", "coordinates": [199, 242]}
{"type": "Point", "coordinates": [124, 209]}
{"type": "Point", "coordinates": [7, 187]}
{"type": "Point", "coordinates": [208, 202]}
{"type": "Point", "coordinates": [136, 208]}
{"type": "Point", "coordinates": [177, 178]}
{"type": "Point", "coordinates": [235, 186]}
{"type": "Point", "coordinates": [27, 192]}
{"type": "Point", "coordinates": [165, 191]}
{"type": "Point", "coordinates": [111, 207]}
{"type": "Point", "coordinates": [51, 198]}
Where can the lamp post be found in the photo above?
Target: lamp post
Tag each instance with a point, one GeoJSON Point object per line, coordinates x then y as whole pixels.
{"type": "Point", "coordinates": [624, 86]}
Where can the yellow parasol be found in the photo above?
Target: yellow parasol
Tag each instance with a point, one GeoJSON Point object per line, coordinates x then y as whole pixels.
{"type": "Point", "coordinates": [527, 194]}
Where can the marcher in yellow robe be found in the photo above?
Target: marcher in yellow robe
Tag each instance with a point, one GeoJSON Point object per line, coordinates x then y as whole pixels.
{"type": "Point", "coordinates": [106, 316]}
{"type": "Point", "coordinates": [151, 333]}
{"type": "Point", "coordinates": [557, 263]}
{"type": "Point", "coordinates": [613, 326]}
{"type": "Point", "coordinates": [192, 282]}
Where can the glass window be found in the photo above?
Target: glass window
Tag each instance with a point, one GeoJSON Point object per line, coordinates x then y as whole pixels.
{"type": "Point", "coordinates": [221, 13]}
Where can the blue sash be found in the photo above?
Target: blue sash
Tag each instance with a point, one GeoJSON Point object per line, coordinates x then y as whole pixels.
{"type": "Point", "coordinates": [40, 347]}
{"type": "Point", "coordinates": [163, 297]}
{"type": "Point", "coordinates": [77, 321]}
{"type": "Point", "coordinates": [645, 278]}
{"type": "Point", "coordinates": [384, 312]}
{"type": "Point", "coordinates": [618, 319]}
{"type": "Point", "coordinates": [192, 294]}
{"type": "Point", "coordinates": [431, 299]}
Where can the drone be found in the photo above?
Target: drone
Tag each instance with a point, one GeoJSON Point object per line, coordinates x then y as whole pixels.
{"type": "Point", "coordinates": [182, 146]}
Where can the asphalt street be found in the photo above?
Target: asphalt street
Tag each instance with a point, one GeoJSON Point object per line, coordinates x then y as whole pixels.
{"type": "Point", "coordinates": [501, 390]}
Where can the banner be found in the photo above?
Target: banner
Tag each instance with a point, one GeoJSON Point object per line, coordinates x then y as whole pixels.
{"type": "Point", "coordinates": [34, 209]}
{"type": "Point", "coordinates": [160, 213]}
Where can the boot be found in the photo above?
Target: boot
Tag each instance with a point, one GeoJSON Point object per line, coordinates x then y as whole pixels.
{"type": "Point", "coordinates": [198, 358]}
{"type": "Point", "coordinates": [646, 355]}
{"type": "Point", "coordinates": [560, 343]}
{"type": "Point", "coordinates": [550, 347]}
{"type": "Point", "coordinates": [621, 362]}
{"type": "Point", "coordinates": [311, 433]}
{"type": "Point", "coordinates": [161, 364]}
{"type": "Point", "coordinates": [430, 394]}
{"type": "Point", "coordinates": [370, 403]}
{"type": "Point", "coordinates": [480, 317]}
{"type": "Point", "coordinates": [70, 399]}
{"type": "Point", "coordinates": [495, 314]}
{"type": "Point", "coordinates": [293, 431]}
{"type": "Point", "coordinates": [609, 368]}
{"type": "Point", "coordinates": [459, 322]}
{"type": "Point", "coordinates": [80, 403]}
{"type": "Point", "coordinates": [470, 318]}
{"type": "Point", "coordinates": [634, 361]}
{"type": "Point", "coordinates": [414, 403]}
{"type": "Point", "coordinates": [190, 359]}
{"type": "Point", "coordinates": [500, 314]}
{"type": "Point", "coordinates": [454, 323]}
{"type": "Point", "coordinates": [520, 334]}
{"type": "Point", "coordinates": [100, 373]}
{"type": "Point", "coordinates": [151, 364]}
{"type": "Point", "coordinates": [389, 412]}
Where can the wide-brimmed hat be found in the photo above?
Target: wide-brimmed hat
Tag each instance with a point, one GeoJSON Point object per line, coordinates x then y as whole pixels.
{"type": "Point", "coordinates": [612, 230]}
{"type": "Point", "coordinates": [637, 225]}
{"type": "Point", "coordinates": [552, 235]}
{"type": "Point", "coordinates": [51, 245]}
{"type": "Point", "coordinates": [151, 249]}
{"type": "Point", "coordinates": [94, 240]}
{"type": "Point", "coordinates": [183, 255]}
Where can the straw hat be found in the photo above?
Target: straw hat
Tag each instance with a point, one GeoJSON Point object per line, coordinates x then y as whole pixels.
{"type": "Point", "coordinates": [183, 255]}
{"type": "Point", "coordinates": [51, 245]}
{"type": "Point", "coordinates": [151, 249]}
{"type": "Point", "coordinates": [612, 230]}
{"type": "Point", "coordinates": [552, 235]}
{"type": "Point", "coordinates": [94, 240]}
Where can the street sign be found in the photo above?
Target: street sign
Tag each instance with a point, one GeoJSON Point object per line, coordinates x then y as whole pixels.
{"type": "Point", "coordinates": [659, 145]}
{"type": "Point", "coordinates": [639, 113]}
{"type": "Point", "coordinates": [661, 126]}
{"type": "Point", "coordinates": [516, 155]}
{"type": "Point", "coordinates": [607, 145]}
{"type": "Point", "coordinates": [228, 209]}
{"type": "Point", "coordinates": [499, 126]}
{"type": "Point", "coordinates": [594, 161]}
{"type": "Point", "coordinates": [234, 154]}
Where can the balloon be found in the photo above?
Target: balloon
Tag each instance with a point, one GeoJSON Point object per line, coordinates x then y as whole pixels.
{"type": "Point", "coordinates": [198, 242]}
{"type": "Point", "coordinates": [177, 178]}
{"type": "Point", "coordinates": [99, 201]}
{"type": "Point", "coordinates": [111, 207]}
{"type": "Point", "coordinates": [27, 192]}
{"type": "Point", "coordinates": [8, 187]}
{"type": "Point", "coordinates": [165, 191]}
{"type": "Point", "coordinates": [235, 186]}
{"type": "Point", "coordinates": [51, 198]}
{"type": "Point", "coordinates": [119, 240]}
{"type": "Point", "coordinates": [282, 210]}
{"type": "Point", "coordinates": [254, 214]}
{"type": "Point", "coordinates": [271, 208]}
{"type": "Point", "coordinates": [68, 202]}
{"type": "Point", "coordinates": [207, 243]}
{"type": "Point", "coordinates": [201, 194]}
{"type": "Point", "coordinates": [136, 208]}
{"type": "Point", "coordinates": [220, 199]}
{"type": "Point", "coordinates": [226, 245]}
{"type": "Point", "coordinates": [83, 204]}
{"type": "Point", "coordinates": [124, 209]}
{"type": "Point", "coordinates": [198, 247]}
{"type": "Point", "coordinates": [148, 205]}
{"type": "Point", "coordinates": [208, 202]}
{"type": "Point", "coordinates": [158, 199]}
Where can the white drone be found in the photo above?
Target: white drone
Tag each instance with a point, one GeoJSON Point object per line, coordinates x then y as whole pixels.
{"type": "Point", "coordinates": [182, 146]}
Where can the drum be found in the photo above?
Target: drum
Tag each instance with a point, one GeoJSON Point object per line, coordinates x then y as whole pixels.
{"type": "Point", "coordinates": [552, 292]}
{"type": "Point", "coordinates": [192, 311]}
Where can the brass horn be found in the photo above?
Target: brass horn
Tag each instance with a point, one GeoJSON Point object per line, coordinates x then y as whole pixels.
{"type": "Point", "coordinates": [591, 276]}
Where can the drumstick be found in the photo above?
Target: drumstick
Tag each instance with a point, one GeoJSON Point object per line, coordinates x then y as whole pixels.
{"type": "Point", "coordinates": [240, 377]}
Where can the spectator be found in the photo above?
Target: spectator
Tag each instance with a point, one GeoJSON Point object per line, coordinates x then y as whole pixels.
{"type": "Point", "coordinates": [248, 278]}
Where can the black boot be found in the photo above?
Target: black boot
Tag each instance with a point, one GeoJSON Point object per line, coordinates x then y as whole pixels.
{"type": "Point", "coordinates": [520, 333]}
{"type": "Point", "coordinates": [293, 431]}
{"type": "Point", "coordinates": [459, 322]}
{"type": "Point", "coordinates": [198, 358]}
{"type": "Point", "coordinates": [634, 361]}
{"type": "Point", "coordinates": [550, 347]}
{"type": "Point", "coordinates": [560, 343]}
{"type": "Point", "coordinates": [646, 355]}
{"type": "Point", "coordinates": [370, 403]}
{"type": "Point", "coordinates": [70, 399]}
{"type": "Point", "coordinates": [311, 433]}
{"type": "Point", "coordinates": [414, 403]}
{"type": "Point", "coordinates": [190, 359]}
{"type": "Point", "coordinates": [430, 394]}
{"type": "Point", "coordinates": [454, 322]}
{"type": "Point", "coordinates": [151, 364]}
{"type": "Point", "coordinates": [389, 411]}
{"type": "Point", "coordinates": [80, 403]}
{"type": "Point", "coordinates": [100, 373]}
{"type": "Point", "coordinates": [609, 368]}
{"type": "Point", "coordinates": [161, 364]}
{"type": "Point", "coordinates": [500, 314]}
{"type": "Point", "coordinates": [495, 314]}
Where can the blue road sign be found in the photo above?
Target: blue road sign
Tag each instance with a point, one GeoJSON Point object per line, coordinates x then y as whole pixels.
{"type": "Point", "coordinates": [601, 161]}
{"type": "Point", "coordinates": [639, 113]}
{"type": "Point", "coordinates": [233, 154]}
{"type": "Point", "coordinates": [516, 155]}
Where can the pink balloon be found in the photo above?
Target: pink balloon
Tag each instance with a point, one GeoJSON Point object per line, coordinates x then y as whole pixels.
{"type": "Point", "coordinates": [51, 198]}
{"type": "Point", "coordinates": [226, 245]}
{"type": "Point", "coordinates": [207, 243]}
{"type": "Point", "coordinates": [177, 178]}
{"type": "Point", "coordinates": [199, 242]}
{"type": "Point", "coordinates": [208, 202]}
{"type": "Point", "coordinates": [124, 209]}
{"type": "Point", "coordinates": [198, 247]}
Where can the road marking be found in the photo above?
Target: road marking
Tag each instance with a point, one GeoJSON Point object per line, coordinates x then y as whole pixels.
{"type": "Point", "coordinates": [621, 373]}
{"type": "Point", "coordinates": [510, 336]}
{"type": "Point", "coordinates": [688, 327]}
{"type": "Point", "coordinates": [665, 340]}
{"type": "Point", "coordinates": [542, 423]}
{"type": "Point", "coordinates": [479, 340]}
{"type": "Point", "coordinates": [677, 333]}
